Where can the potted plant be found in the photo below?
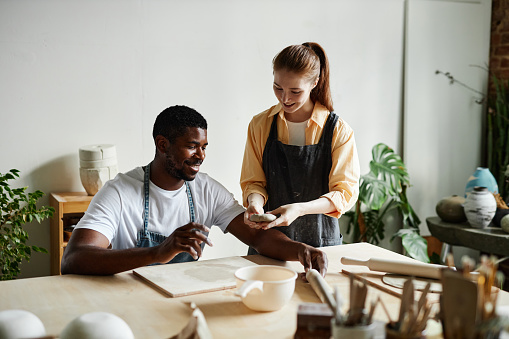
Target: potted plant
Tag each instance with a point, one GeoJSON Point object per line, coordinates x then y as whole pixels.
{"type": "Point", "coordinates": [381, 190]}
{"type": "Point", "coordinates": [17, 208]}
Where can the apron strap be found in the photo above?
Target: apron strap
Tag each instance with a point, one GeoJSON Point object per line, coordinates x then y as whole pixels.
{"type": "Point", "coordinates": [190, 201]}
{"type": "Point", "coordinates": [146, 186]}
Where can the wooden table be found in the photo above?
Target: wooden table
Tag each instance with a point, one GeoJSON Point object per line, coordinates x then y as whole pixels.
{"type": "Point", "coordinates": [56, 300]}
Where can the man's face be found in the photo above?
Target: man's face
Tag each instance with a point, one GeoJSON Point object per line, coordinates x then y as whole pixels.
{"type": "Point", "coordinates": [186, 154]}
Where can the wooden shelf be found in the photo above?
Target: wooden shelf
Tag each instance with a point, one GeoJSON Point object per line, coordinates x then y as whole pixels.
{"type": "Point", "coordinates": [69, 207]}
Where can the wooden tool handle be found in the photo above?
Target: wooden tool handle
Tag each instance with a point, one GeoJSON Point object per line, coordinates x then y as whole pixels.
{"type": "Point", "coordinates": [416, 268]}
{"type": "Point", "coordinates": [321, 288]}
{"type": "Point", "coordinates": [352, 261]}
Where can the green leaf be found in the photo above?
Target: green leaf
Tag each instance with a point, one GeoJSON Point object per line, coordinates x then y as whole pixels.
{"type": "Point", "coordinates": [373, 192]}
{"type": "Point", "coordinates": [388, 166]}
{"type": "Point", "coordinates": [415, 245]}
{"type": "Point", "coordinates": [40, 249]}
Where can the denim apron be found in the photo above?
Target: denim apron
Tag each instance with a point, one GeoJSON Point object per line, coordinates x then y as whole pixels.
{"type": "Point", "coordinates": [146, 238]}
{"type": "Point", "coordinates": [300, 174]}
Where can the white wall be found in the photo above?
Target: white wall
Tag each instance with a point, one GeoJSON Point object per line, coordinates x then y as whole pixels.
{"type": "Point", "coordinates": [442, 121]}
{"type": "Point", "coordinates": [75, 73]}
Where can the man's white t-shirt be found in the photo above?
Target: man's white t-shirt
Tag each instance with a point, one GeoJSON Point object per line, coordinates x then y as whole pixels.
{"type": "Point", "coordinates": [116, 211]}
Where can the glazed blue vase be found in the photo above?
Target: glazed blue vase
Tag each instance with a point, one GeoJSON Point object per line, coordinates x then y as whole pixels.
{"type": "Point", "coordinates": [482, 177]}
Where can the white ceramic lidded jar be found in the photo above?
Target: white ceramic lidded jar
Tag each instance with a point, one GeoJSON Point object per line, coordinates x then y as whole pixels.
{"type": "Point", "coordinates": [98, 164]}
{"type": "Point", "coordinates": [480, 207]}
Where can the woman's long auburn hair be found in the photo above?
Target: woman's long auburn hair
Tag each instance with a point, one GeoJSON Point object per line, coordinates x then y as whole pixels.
{"type": "Point", "coordinates": [310, 60]}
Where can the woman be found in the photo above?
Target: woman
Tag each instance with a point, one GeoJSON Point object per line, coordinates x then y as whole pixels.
{"type": "Point", "coordinates": [300, 160]}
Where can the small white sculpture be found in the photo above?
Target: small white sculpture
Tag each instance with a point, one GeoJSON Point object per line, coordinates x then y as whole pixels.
{"type": "Point", "coordinates": [98, 164]}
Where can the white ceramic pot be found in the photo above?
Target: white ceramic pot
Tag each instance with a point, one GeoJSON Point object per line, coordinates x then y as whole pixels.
{"type": "Point", "coordinates": [265, 287]}
{"type": "Point", "coordinates": [480, 207]}
{"type": "Point", "coordinates": [95, 178]}
{"type": "Point", "coordinates": [20, 324]}
{"type": "Point", "coordinates": [97, 152]}
{"type": "Point", "coordinates": [97, 325]}
{"type": "Point", "coordinates": [98, 163]}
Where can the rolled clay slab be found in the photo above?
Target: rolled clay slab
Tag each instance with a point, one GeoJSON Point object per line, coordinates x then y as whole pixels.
{"type": "Point", "coordinates": [262, 217]}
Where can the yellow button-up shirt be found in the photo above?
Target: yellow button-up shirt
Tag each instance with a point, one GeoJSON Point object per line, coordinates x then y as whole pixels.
{"type": "Point", "coordinates": [345, 171]}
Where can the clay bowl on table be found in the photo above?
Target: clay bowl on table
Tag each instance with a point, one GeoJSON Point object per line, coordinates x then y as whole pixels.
{"type": "Point", "coordinates": [97, 325]}
{"type": "Point", "coordinates": [20, 324]}
{"type": "Point", "coordinates": [265, 287]}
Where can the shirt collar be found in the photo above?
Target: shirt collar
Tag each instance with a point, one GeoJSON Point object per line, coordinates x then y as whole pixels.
{"type": "Point", "coordinates": [319, 115]}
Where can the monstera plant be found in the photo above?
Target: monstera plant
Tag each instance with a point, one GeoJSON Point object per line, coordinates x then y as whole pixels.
{"type": "Point", "coordinates": [381, 190]}
{"type": "Point", "coordinates": [17, 208]}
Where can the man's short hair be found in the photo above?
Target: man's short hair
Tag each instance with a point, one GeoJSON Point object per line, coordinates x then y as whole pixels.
{"type": "Point", "coordinates": [173, 122]}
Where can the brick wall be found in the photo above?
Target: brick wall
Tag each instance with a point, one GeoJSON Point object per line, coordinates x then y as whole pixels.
{"type": "Point", "coordinates": [499, 48]}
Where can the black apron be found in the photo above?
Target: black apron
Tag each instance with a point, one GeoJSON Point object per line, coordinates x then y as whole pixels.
{"type": "Point", "coordinates": [300, 174]}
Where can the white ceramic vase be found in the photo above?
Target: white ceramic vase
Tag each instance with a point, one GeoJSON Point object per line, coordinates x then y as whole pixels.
{"type": "Point", "coordinates": [98, 164]}
{"type": "Point", "coordinates": [480, 207]}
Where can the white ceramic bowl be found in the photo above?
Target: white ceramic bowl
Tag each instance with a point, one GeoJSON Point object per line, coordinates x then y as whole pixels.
{"type": "Point", "coordinates": [20, 324]}
{"type": "Point", "coordinates": [97, 325]}
{"type": "Point", "coordinates": [265, 287]}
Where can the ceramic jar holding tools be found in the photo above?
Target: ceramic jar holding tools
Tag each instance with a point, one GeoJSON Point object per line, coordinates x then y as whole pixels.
{"type": "Point", "coordinates": [339, 331]}
{"type": "Point", "coordinates": [98, 164]}
{"type": "Point", "coordinates": [480, 207]}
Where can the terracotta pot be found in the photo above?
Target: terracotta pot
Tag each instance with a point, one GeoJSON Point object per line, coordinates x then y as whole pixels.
{"type": "Point", "coordinates": [451, 209]}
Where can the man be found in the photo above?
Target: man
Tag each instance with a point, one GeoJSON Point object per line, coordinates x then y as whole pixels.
{"type": "Point", "coordinates": [136, 219]}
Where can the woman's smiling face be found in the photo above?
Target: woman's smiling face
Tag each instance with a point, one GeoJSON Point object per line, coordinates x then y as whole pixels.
{"type": "Point", "coordinates": [293, 91]}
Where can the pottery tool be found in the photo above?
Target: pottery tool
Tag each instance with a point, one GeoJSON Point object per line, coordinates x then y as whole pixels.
{"type": "Point", "coordinates": [407, 300]}
{"type": "Point", "coordinates": [339, 305]}
{"type": "Point", "coordinates": [385, 310]}
{"type": "Point", "coordinates": [414, 268]}
{"type": "Point", "coordinates": [358, 292]}
{"type": "Point", "coordinates": [321, 288]}
{"type": "Point", "coordinates": [413, 316]}
{"type": "Point", "coordinates": [376, 284]}
{"type": "Point", "coordinates": [459, 305]}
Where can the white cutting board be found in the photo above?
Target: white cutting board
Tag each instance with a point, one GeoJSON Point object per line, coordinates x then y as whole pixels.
{"type": "Point", "coordinates": [176, 280]}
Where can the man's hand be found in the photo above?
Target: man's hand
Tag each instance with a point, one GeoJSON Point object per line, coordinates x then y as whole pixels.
{"type": "Point", "coordinates": [253, 208]}
{"type": "Point", "coordinates": [311, 257]}
{"type": "Point", "coordinates": [187, 238]}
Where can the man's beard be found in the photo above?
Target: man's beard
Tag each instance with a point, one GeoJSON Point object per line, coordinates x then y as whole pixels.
{"type": "Point", "coordinates": [178, 173]}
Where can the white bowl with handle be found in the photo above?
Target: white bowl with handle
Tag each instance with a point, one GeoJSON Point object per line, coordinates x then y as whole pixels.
{"type": "Point", "coordinates": [265, 287]}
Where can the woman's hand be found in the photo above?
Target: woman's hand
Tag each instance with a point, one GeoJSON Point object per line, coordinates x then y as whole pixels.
{"type": "Point", "coordinates": [256, 202]}
{"type": "Point", "coordinates": [288, 214]}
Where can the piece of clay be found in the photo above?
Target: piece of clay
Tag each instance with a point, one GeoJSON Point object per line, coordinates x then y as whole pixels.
{"type": "Point", "coordinates": [262, 217]}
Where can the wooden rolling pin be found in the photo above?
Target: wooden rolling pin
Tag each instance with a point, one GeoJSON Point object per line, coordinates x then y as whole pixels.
{"type": "Point", "coordinates": [321, 288]}
{"type": "Point", "coordinates": [418, 269]}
